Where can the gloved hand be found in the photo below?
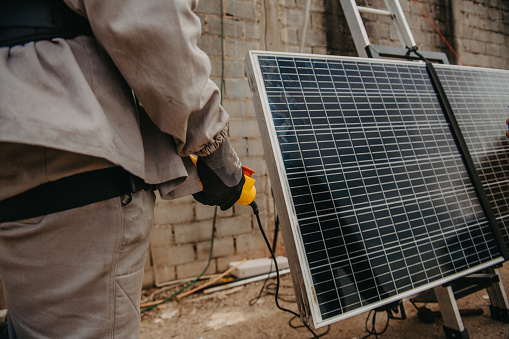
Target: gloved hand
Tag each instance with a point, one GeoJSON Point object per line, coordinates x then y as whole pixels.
{"type": "Point", "coordinates": [221, 177]}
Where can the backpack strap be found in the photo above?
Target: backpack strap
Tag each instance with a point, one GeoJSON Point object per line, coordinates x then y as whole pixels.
{"type": "Point", "coordinates": [23, 21]}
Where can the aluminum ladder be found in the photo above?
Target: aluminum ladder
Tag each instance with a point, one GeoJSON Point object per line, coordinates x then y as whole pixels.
{"type": "Point", "coordinates": [358, 30]}
{"type": "Point", "coordinates": [393, 10]}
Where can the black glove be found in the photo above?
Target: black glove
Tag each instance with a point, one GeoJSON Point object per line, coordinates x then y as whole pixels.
{"type": "Point", "coordinates": [221, 176]}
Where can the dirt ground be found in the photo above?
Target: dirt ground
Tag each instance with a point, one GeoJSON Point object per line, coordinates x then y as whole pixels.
{"type": "Point", "coordinates": [227, 314]}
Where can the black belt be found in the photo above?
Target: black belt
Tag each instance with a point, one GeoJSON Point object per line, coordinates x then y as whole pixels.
{"type": "Point", "coordinates": [71, 192]}
{"type": "Point", "coordinates": [22, 21]}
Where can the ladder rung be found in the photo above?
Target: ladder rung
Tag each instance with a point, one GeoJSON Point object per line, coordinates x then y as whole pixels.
{"type": "Point", "coordinates": [373, 11]}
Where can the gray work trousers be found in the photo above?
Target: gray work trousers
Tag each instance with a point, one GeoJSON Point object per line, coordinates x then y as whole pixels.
{"type": "Point", "coordinates": [77, 273]}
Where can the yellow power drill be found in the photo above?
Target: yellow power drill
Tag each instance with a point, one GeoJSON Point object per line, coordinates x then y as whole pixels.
{"type": "Point", "coordinates": [248, 190]}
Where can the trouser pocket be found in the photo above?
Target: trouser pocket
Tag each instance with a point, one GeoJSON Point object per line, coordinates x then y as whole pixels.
{"type": "Point", "coordinates": [127, 304]}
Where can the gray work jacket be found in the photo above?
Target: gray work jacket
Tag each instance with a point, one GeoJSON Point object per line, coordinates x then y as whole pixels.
{"type": "Point", "coordinates": [76, 95]}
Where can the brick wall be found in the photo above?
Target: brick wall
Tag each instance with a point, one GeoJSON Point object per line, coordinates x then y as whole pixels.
{"type": "Point", "coordinates": [180, 240]}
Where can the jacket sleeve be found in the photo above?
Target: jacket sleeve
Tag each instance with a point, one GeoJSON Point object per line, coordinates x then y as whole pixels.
{"type": "Point", "coordinates": [153, 44]}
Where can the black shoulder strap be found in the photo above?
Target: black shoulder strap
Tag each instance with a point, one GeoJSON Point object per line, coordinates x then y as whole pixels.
{"type": "Point", "coordinates": [22, 21]}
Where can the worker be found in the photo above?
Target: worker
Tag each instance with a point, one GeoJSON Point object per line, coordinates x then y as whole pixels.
{"type": "Point", "coordinates": [507, 132]}
{"type": "Point", "coordinates": [102, 102]}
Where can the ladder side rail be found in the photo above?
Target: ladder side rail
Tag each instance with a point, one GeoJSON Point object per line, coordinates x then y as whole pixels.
{"type": "Point", "coordinates": [400, 23]}
{"type": "Point", "coordinates": [304, 28]}
{"type": "Point", "coordinates": [356, 25]}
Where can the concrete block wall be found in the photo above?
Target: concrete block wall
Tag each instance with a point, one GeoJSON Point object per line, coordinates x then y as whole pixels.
{"type": "Point", "coordinates": [180, 240]}
{"type": "Point", "coordinates": [316, 37]}
{"type": "Point", "coordinates": [483, 36]}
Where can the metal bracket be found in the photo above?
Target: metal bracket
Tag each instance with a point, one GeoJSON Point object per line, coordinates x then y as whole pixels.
{"type": "Point", "coordinates": [378, 51]}
{"type": "Point", "coordinates": [453, 325]}
{"type": "Point", "coordinates": [446, 296]}
{"type": "Point", "coordinates": [499, 307]}
{"type": "Point", "coordinates": [395, 12]}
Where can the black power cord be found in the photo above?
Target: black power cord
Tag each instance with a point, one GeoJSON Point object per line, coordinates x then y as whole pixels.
{"type": "Point", "coordinates": [391, 309]}
{"type": "Point", "coordinates": [256, 212]}
{"type": "Point", "coordinates": [300, 326]}
{"type": "Point", "coordinates": [269, 286]}
{"type": "Point", "coordinates": [372, 331]}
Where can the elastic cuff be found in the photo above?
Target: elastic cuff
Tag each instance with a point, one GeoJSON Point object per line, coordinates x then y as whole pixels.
{"type": "Point", "coordinates": [212, 147]}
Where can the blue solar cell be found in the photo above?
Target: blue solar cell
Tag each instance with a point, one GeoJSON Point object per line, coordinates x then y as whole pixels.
{"type": "Point", "coordinates": [480, 101]}
{"type": "Point", "coordinates": [383, 202]}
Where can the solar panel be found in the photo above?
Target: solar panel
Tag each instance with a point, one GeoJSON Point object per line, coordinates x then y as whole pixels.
{"type": "Point", "coordinates": [479, 98]}
{"type": "Point", "coordinates": [374, 198]}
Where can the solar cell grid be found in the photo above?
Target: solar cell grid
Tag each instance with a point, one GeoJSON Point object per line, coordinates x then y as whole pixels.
{"type": "Point", "coordinates": [480, 100]}
{"type": "Point", "coordinates": [383, 203]}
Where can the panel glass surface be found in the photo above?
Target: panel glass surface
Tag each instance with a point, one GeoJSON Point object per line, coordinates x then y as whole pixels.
{"type": "Point", "coordinates": [480, 101]}
{"type": "Point", "coordinates": [382, 197]}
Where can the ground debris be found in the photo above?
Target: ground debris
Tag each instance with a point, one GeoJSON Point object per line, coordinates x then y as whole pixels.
{"type": "Point", "coordinates": [227, 314]}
